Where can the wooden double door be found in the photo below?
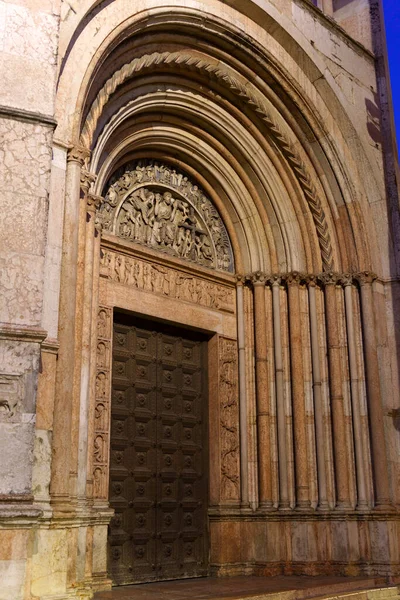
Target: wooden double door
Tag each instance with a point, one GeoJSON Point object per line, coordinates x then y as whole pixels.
{"type": "Point", "coordinates": [158, 477]}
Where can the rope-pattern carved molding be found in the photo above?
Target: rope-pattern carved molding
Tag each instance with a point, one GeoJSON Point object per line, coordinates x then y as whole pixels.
{"type": "Point", "coordinates": [252, 98]}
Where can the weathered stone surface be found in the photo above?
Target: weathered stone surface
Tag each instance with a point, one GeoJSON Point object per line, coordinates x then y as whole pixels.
{"type": "Point", "coordinates": [220, 145]}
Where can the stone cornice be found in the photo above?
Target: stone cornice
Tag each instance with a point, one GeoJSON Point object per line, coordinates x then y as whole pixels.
{"type": "Point", "coordinates": [21, 333]}
{"type": "Point", "coordinates": [27, 116]}
{"type": "Point", "coordinates": [330, 23]}
{"type": "Point", "coordinates": [50, 346]}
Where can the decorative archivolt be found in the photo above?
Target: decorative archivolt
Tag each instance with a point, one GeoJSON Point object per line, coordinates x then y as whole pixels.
{"type": "Point", "coordinates": [152, 204]}
{"type": "Point", "coordinates": [247, 93]}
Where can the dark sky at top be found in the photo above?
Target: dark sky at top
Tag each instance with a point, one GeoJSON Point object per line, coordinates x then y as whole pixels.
{"type": "Point", "coordinates": [392, 23]}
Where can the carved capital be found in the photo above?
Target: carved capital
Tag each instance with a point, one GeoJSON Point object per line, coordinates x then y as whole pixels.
{"type": "Point", "coordinates": [241, 279]}
{"type": "Point", "coordinates": [275, 280]}
{"type": "Point", "coordinates": [294, 278]}
{"type": "Point", "coordinates": [311, 280]}
{"type": "Point", "coordinates": [329, 278]}
{"type": "Point", "coordinates": [258, 278]}
{"type": "Point", "coordinates": [93, 202]}
{"type": "Point", "coordinates": [79, 154]}
{"type": "Point", "coordinates": [365, 278]}
{"type": "Point", "coordinates": [347, 279]}
{"type": "Point", "coordinates": [87, 180]}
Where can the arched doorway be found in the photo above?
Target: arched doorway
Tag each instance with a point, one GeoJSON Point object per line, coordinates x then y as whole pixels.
{"type": "Point", "coordinates": [285, 326]}
{"type": "Point", "coordinates": [165, 254]}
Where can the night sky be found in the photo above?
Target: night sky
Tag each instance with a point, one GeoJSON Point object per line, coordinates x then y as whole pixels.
{"type": "Point", "coordinates": [392, 22]}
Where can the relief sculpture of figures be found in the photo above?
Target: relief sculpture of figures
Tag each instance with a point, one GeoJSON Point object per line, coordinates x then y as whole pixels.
{"type": "Point", "coordinates": [155, 278]}
{"type": "Point", "coordinates": [152, 204]}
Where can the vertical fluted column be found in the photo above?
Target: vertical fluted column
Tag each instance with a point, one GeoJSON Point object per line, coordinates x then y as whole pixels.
{"type": "Point", "coordinates": [340, 450]}
{"type": "Point", "coordinates": [298, 397]}
{"type": "Point", "coordinates": [360, 456]}
{"type": "Point", "coordinates": [374, 400]}
{"type": "Point", "coordinates": [244, 467]}
{"type": "Point", "coordinates": [66, 333]}
{"type": "Point", "coordinates": [317, 384]}
{"type": "Point", "coordinates": [280, 399]}
{"type": "Point", "coordinates": [92, 202]}
{"type": "Point", "coordinates": [262, 390]}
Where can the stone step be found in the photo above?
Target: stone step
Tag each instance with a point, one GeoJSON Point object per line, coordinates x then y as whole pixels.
{"type": "Point", "coordinates": [259, 588]}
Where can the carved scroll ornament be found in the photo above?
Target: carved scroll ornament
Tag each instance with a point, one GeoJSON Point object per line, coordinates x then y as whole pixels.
{"type": "Point", "coordinates": [154, 205]}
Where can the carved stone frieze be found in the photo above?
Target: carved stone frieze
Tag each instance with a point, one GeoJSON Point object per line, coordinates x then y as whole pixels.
{"type": "Point", "coordinates": [154, 205]}
{"type": "Point", "coordinates": [169, 282]}
{"type": "Point", "coordinates": [102, 403]}
{"type": "Point", "coordinates": [229, 419]}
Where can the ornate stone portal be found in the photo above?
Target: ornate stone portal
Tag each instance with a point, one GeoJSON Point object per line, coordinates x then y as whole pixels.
{"type": "Point", "coordinates": [152, 204]}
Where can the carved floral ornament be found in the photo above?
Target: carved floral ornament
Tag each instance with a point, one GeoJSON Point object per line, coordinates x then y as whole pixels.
{"type": "Point", "coordinates": [154, 205]}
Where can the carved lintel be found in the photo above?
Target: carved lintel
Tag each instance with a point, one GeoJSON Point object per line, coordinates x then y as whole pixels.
{"type": "Point", "coordinates": [158, 279]}
{"type": "Point", "coordinates": [79, 154]}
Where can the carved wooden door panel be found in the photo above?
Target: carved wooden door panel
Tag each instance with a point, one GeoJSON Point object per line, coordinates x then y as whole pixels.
{"type": "Point", "coordinates": [158, 485]}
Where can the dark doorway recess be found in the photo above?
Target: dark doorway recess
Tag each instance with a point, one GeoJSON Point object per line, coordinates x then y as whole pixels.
{"type": "Point", "coordinates": [158, 475]}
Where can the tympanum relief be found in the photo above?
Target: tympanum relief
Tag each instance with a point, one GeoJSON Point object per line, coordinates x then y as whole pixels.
{"type": "Point", "coordinates": [154, 205]}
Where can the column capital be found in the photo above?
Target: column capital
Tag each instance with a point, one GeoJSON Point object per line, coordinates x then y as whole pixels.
{"type": "Point", "coordinates": [365, 277]}
{"type": "Point", "coordinates": [258, 278]}
{"type": "Point", "coordinates": [275, 280]}
{"type": "Point", "coordinates": [240, 279]}
{"type": "Point", "coordinates": [87, 180]}
{"type": "Point", "coordinates": [93, 202]}
{"type": "Point", "coordinates": [329, 278]}
{"type": "Point", "coordinates": [347, 279]}
{"type": "Point", "coordinates": [78, 154]}
{"type": "Point", "coordinates": [311, 280]}
{"type": "Point", "coordinates": [294, 278]}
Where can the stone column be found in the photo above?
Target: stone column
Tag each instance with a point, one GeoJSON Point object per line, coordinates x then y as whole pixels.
{"type": "Point", "coordinates": [360, 456]}
{"type": "Point", "coordinates": [66, 335]}
{"type": "Point", "coordinates": [327, 7]}
{"type": "Point", "coordinates": [244, 468]}
{"type": "Point", "coordinates": [262, 392]}
{"type": "Point", "coordinates": [298, 397]}
{"type": "Point", "coordinates": [317, 384]}
{"type": "Point", "coordinates": [280, 399]}
{"type": "Point", "coordinates": [374, 400]}
{"type": "Point", "coordinates": [340, 451]}
{"type": "Point", "coordinates": [92, 202]}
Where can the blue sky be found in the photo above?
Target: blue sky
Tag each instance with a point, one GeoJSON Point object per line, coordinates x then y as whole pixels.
{"type": "Point", "coordinates": [392, 23]}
